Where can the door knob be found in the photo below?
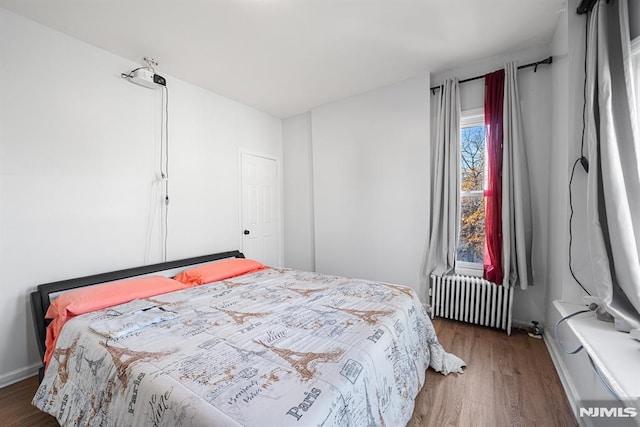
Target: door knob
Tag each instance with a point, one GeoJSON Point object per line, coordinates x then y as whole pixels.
{"type": "Point", "coordinates": [245, 232]}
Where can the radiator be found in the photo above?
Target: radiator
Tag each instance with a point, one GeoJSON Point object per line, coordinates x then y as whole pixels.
{"type": "Point", "coordinates": [471, 299]}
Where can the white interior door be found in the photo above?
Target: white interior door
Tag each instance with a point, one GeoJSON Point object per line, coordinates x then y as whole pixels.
{"type": "Point", "coordinates": [260, 207]}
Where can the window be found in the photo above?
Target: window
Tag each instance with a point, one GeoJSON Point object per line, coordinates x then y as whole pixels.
{"type": "Point", "coordinates": [470, 248]}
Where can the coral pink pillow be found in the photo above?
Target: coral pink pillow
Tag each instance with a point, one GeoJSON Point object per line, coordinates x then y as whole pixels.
{"type": "Point", "coordinates": [92, 298]}
{"type": "Point", "coordinates": [219, 270]}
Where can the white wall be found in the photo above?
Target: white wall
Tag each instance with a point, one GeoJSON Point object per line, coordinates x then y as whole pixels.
{"type": "Point", "coordinates": [370, 184]}
{"type": "Point", "coordinates": [298, 193]}
{"type": "Point", "coordinates": [567, 84]}
{"type": "Point", "coordinates": [558, 276]}
{"type": "Point", "coordinates": [568, 80]}
{"type": "Point", "coordinates": [558, 159]}
{"type": "Point", "coordinates": [535, 97]}
{"type": "Point", "coordinates": [78, 159]}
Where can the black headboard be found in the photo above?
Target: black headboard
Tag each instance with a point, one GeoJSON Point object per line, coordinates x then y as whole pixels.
{"type": "Point", "coordinates": [40, 297]}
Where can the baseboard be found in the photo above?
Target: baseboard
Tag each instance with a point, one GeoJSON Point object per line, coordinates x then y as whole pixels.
{"type": "Point", "coordinates": [13, 377]}
{"type": "Point", "coordinates": [561, 369]}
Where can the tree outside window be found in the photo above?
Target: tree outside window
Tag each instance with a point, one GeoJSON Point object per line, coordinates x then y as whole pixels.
{"type": "Point", "coordinates": [472, 163]}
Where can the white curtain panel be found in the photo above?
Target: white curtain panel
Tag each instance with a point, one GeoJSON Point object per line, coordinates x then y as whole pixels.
{"type": "Point", "coordinates": [516, 195]}
{"type": "Point", "coordinates": [445, 183]}
{"type": "Point", "coordinates": [613, 184]}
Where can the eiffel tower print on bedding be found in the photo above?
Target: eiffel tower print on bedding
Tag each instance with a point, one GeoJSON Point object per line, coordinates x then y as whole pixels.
{"type": "Point", "coordinates": [273, 348]}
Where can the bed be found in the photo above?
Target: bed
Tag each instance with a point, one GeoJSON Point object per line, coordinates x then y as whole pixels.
{"type": "Point", "coordinates": [248, 345]}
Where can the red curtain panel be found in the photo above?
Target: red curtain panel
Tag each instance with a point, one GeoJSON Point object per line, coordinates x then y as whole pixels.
{"type": "Point", "coordinates": [493, 107]}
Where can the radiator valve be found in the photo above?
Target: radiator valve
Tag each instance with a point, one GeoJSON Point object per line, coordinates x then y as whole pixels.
{"type": "Point", "coordinates": [536, 331]}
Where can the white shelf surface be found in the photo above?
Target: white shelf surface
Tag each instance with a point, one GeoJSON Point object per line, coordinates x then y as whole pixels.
{"type": "Point", "coordinates": [615, 354]}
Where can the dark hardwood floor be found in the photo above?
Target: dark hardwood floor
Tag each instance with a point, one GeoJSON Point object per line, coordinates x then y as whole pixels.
{"type": "Point", "coordinates": [509, 381]}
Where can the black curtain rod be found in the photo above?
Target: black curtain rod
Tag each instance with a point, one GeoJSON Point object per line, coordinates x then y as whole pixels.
{"type": "Point", "coordinates": [585, 6]}
{"type": "Point", "coordinates": [547, 61]}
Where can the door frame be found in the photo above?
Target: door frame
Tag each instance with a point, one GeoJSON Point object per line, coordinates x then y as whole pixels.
{"type": "Point", "coordinates": [279, 189]}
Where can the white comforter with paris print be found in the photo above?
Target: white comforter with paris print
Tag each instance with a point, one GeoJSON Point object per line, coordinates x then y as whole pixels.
{"type": "Point", "coordinates": [273, 348]}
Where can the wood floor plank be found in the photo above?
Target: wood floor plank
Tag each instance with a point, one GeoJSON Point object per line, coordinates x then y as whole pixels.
{"type": "Point", "coordinates": [507, 402]}
{"type": "Point", "coordinates": [16, 409]}
{"type": "Point", "coordinates": [509, 381]}
{"type": "Point", "coordinates": [475, 414]}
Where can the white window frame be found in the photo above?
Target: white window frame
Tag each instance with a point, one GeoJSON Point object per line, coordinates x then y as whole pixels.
{"type": "Point", "coordinates": [470, 118]}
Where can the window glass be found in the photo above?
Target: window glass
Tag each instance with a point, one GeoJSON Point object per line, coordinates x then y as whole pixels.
{"type": "Point", "coordinates": [470, 247]}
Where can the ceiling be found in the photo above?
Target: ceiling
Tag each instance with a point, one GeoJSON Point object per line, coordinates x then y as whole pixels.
{"type": "Point", "coordinates": [285, 57]}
